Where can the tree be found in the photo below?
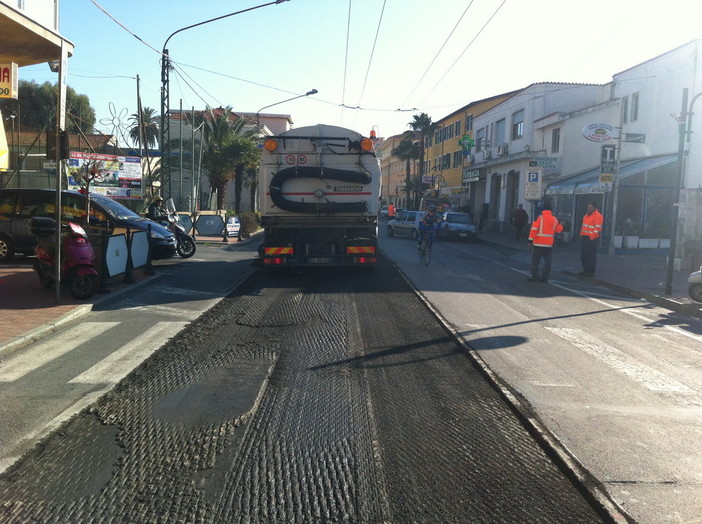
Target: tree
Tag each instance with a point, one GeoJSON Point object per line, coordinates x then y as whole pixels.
{"type": "Point", "coordinates": [422, 126]}
{"type": "Point", "coordinates": [149, 126]}
{"type": "Point", "coordinates": [408, 149]}
{"type": "Point", "coordinates": [37, 105]}
{"type": "Point", "coordinates": [228, 151]}
{"type": "Point", "coordinates": [149, 130]}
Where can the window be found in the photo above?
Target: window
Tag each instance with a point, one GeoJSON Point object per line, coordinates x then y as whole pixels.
{"type": "Point", "coordinates": [446, 161]}
{"type": "Point", "coordinates": [469, 123]}
{"type": "Point", "coordinates": [480, 139]}
{"type": "Point", "coordinates": [634, 107]}
{"type": "Point", "coordinates": [555, 140]}
{"type": "Point", "coordinates": [457, 155]}
{"type": "Point", "coordinates": [518, 124]}
{"type": "Point", "coordinates": [625, 109]}
{"type": "Point", "coordinates": [500, 131]}
{"type": "Point", "coordinates": [458, 128]}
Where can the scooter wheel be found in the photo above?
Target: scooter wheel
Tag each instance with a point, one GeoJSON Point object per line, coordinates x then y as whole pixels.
{"type": "Point", "coordinates": [44, 280]}
{"type": "Point", "coordinates": [83, 287]}
{"type": "Point", "coordinates": [695, 292]}
{"type": "Point", "coordinates": [185, 247]}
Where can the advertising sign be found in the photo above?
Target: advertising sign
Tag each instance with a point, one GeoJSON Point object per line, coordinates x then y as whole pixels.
{"type": "Point", "coordinates": [116, 177]}
{"type": "Point", "coordinates": [599, 132]}
{"type": "Point", "coordinates": [534, 178]}
{"type": "Point", "coordinates": [9, 80]}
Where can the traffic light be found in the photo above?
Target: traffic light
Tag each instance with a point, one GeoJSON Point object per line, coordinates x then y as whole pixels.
{"type": "Point", "coordinates": [51, 145]}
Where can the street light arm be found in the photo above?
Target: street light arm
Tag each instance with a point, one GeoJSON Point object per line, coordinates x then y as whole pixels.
{"type": "Point", "coordinates": [308, 93]}
{"type": "Point", "coordinates": [218, 18]}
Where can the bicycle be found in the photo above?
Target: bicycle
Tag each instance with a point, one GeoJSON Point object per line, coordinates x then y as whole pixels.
{"type": "Point", "coordinates": [424, 249]}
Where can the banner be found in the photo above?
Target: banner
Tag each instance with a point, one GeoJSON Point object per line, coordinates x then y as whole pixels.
{"type": "Point", "coordinates": [117, 177]}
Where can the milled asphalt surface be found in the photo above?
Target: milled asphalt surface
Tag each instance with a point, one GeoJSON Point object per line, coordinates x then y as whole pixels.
{"type": "Point", "coordinates": [641, 274]}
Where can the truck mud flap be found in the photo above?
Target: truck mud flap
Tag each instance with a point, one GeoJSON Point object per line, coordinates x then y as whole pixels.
{"type": "Point", "coordinates": [276, 190]}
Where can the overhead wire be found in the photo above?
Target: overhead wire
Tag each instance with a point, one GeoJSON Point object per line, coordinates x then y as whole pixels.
{"type": "Point", "coordinates": [438, 53]}
{"type": "Point", "coordinates": [370, 60]}
{"type": "Point", "coordinates": [466, 48]}
{"type": "Point", "coordinates": [346, 57]}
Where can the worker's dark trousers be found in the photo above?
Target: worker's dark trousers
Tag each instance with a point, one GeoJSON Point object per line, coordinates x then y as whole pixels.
{"type": "Point", "coordinates": [536, 256]}
{"type": "Point", "coordinates": [588, 254]}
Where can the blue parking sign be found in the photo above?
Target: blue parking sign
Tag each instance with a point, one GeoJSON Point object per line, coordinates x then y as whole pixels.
{"type": "Point", "coordinates": [533, 176]}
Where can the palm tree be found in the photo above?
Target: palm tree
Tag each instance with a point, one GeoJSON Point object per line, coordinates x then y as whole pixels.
{"type": "Point", "coordinates": [408, 149]}
{"type": "Point", "coordinates": [422, 126]}
{"type": "Point", "coordinates": [228, 151]}
{"type": "Point", "coordinates": [144, 132]}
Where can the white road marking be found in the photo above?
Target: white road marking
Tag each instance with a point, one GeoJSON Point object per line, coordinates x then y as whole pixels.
{"type": "Point", "coordinates": [43, 352]}
{"type": "Point", "coordinates": [648, 377]}
{"type": "Point", "coordinates": [121, 362]}
{"type": "Point", "coordinates": [622, 309]}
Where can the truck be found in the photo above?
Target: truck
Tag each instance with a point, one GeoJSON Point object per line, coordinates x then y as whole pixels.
{"type": "Point", "coordinates": [319, 196]}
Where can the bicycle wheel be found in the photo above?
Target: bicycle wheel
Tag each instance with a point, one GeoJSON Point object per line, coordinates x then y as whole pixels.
{"type": "Point", "coordinates": [427, 254]}
{"type": "Point", "coordinates": [420, 250]}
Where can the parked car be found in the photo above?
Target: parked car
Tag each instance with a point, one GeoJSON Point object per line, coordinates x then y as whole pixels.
{"type": "Point", "coordinates": [17, 206]}
{"type": "Point", "coordinates": [457, 226]}
{"type": "Point", "coordinates": [404, 224]}
{"type": "Point", "coordinates": [384, 212]}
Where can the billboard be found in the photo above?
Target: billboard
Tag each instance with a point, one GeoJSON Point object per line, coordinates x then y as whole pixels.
{"type": "Point", "coordinates": [114, 176]}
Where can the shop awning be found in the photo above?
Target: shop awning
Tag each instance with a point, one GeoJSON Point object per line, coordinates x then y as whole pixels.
{"type": "Point", "coordinates": [25, 42]}
{"type": "Point", "coordinates": [588, 182]}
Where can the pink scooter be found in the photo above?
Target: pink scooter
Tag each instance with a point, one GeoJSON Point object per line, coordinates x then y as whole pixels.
{"type": "Point", "coordinates": [77, 256]}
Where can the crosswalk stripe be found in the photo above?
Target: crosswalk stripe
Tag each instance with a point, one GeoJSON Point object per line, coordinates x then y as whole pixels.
{"type": "Point", "coordinates": [119, 363]}
{"type": "Point", "coordinates": [648, 377]}
{"type": "Point", "coordinates": [43, 352]}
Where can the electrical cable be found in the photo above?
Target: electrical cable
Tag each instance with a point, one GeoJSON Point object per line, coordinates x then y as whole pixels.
{"type": "Point", "coordinates": [370, 60]}
{"type": "Point", "coordinates": [346, 57]}
{"type": "Point", "coordinates": [438, 52]}
{"type": "Point", "coordinates": [466, 48]}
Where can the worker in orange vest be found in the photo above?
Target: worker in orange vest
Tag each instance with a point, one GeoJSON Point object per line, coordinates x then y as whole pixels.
{"type": "Point", "coordinates": [391, 211]}
{"type": "Point", "coordinates": [542, 235]}
{"type": "Point", "coordinates": [589, 240]}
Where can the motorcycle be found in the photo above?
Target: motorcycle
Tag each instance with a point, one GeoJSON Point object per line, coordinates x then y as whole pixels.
{"type": "Point", "coordinates": [77, 270]}
{"type": "Point", "coordinates": [695, 285]}
{"type": "Point", "coordinates": [185, 244]}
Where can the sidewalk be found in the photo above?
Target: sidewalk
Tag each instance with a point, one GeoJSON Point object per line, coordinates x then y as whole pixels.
{"type": "Point", "coordinates": [640, 273]}
{"type": "Point", "coordinates": [29, 312]}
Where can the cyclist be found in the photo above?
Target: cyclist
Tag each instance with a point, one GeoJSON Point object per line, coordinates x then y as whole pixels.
{"type": "Point", "coordinates": [427, 225]}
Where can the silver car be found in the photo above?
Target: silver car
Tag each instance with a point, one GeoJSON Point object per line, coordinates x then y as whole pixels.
{"type": "Point", "coordinates": [404, 224]}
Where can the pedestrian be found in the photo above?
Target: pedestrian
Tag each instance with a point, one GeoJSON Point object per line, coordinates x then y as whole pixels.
{"type": "Point", "coordinates": [391, 211]}
{"type": "Point", "coordinates": [542, 234]}
{"type": "Point", "coordinates": [156, 211]}
{"type": "Point", "coordinates": [519, 219]}
{"type": "Point", "coordinates": [590, 239]}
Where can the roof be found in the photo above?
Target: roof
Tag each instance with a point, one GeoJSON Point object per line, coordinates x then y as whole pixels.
{"type": "Point", "coordinates": [26, 42]}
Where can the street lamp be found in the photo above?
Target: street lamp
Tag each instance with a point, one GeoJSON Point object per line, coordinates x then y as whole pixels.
{"type": "Point", "coordinates": [165, 134]}
{"type": "Point", "coordinates": [258, 123]}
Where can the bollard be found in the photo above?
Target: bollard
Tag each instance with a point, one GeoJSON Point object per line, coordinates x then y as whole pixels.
{"type": "Point", "coordinates": [148, 268]}
{"type": "Point", "coordinates": [225, 238]}
{"type": "Point", "coordinates": [128, 275]}
{"type": "Point", "coordinates": [104, 288]}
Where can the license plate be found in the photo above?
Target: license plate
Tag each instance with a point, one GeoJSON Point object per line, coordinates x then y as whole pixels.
{"type": "Point", "coordinates": [319, 260]}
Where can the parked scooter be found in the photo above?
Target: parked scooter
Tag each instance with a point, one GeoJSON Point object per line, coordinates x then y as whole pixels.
{"type": "Point", "coordinates": [77, 270]}
{"type": "Point", "coordinates": [185, 244]}
{"type": "Point", "coordinates": [695, 285]}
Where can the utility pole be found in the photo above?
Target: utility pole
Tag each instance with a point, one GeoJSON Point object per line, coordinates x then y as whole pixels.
{"type": "Point", "coordinates": [682, 130]}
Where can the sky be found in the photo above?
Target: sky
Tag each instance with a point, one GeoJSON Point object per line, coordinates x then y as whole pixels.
{"type": "Point", "coordinates": [375, 63]}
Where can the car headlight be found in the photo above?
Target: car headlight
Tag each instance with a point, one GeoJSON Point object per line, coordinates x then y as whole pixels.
{"type": "Point", "coordinates": [158, 236]}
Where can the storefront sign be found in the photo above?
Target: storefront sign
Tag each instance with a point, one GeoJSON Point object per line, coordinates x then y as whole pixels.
{"type": "Point", "coordinates": [599, 132]}
{"type": "Point", "coordinates": [470, 175]}
{"type": "Point", "coordinates": [9, 80]}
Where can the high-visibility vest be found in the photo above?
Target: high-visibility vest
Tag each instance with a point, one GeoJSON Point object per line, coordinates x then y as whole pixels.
{"type": "Point", "coordinates": [592, 225]}
{"type": "Point", "coordinates": [544, 229]}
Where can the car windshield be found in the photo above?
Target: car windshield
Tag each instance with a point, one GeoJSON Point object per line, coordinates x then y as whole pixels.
{"type": "Point", "coordinates": [116, 210]}
{"type": "Point", "coordinates": [458, 218]}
